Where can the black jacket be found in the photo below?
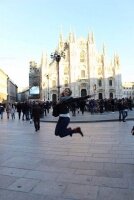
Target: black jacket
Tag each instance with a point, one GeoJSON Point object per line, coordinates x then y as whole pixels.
{"type": "Point", "coordinates": [36, 111]}
{"type": "Point", "coordinates": [66, 105]}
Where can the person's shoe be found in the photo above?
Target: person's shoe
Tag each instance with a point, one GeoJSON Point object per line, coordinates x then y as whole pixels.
{"type": "Point", "coordinates": [78, 130]}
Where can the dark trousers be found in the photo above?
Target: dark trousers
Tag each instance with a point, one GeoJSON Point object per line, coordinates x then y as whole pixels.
{"type": "Point", "coordinates": [37, 123]}
{"type": "Point", "coordinates": [23, 115]}
{"type": "Point", "coordinates": [19, 114]}
{"type": "Point", "coordinates": [45, 110]}
{"type": "Point", "coordinates": [61, 129]}
{"type": "Point", "coordinates": [121, 115]}
{"type": "Point", "coordinates": [125, 113]}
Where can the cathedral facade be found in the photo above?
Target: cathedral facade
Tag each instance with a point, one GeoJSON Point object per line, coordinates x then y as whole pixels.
{"type": "Point", "coordinates": [82, 68]}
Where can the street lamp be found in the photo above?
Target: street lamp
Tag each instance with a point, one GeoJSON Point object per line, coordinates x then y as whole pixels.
{"type": "Point", "coordinates": [94, 88]}
{"type": "Point", "coordinates": [57, 57]}
{"type": "Point", "coordinates": [47, 87]}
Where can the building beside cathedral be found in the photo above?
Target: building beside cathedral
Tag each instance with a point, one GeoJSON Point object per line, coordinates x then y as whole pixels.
{"type": "Point", "coordinates": [8, 89]}
{"type": "Point", "coordinates": [34, 81]}
{"type": "Point", "coordinates": [83, 69]}
{"type": "Point", "coordinates": [128, 90]}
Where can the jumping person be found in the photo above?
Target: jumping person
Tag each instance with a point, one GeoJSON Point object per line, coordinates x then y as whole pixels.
{"type": "Point", "coordinates": [1, 110]}
{"type": "Point", "coordinates": [65, 101]}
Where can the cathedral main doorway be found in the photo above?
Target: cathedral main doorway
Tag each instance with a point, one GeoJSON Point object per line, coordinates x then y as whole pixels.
{"type": "Point", "coordinates": [54, 97]}
{"type": "Point", "coordinates": [100, 96]}
{"type": "Point", "coordinates": [83, 92]}
{"type": "Point", "coordinates": [111, 95]}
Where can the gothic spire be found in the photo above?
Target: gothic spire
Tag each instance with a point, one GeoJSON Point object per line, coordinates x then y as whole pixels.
{"type": "Point", "coordinates": [90, 38]}
{"type": "Point", "coordinates": [71, 35]}
{"type": "Point", "coordinates": [43, 59]}
{"type": "Point", "coordinates": [61, 37]}
{"type": "Point", "coordinates": [104, 50]}
{"type": "Point", "coordinates": [116, 60]}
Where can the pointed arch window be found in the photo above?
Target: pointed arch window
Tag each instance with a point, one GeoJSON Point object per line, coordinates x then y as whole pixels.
{"type": "Point", "coordinates": [65, 70]}
{"type": "Point", "coordinates": [110, 82]}
{"type": "Point", "coordinates": [66, 83]}
{"type": "Point", "coordinates": [100, 82]}
{"type": "Point", "coordinates": [82, 73]}
{"type": "Point", "coordinates": [111, 95]}
{"type": "Point", "coordinates": [82, 56]}
{"type": "Point", "coordinates": [53, 83]}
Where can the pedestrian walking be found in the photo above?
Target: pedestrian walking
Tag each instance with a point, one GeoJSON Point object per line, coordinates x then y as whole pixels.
{"type": "Point", "coordinates": [132, 131]}
{"type": "Point", "coordinates": [19, 109]}
{"type": "Point", "coordinates": [30, 111]}
{"type": "Point", "coordinates": [13, 111]}
{"type": "Point", "coordinates": [45, 108]}
{"type": "Point", "coordinates": [121, 110]}
{"type": "Point", "coordinates": [125, 109]}
{"type": "Point", "coordinates": [62, 129]}
{"type": "Point", "coordinates": [8, 110]}
{"type": "Point", "coordinates": [73, 108]}
{"type": "Point", "coordinates": [36, 112]}
{"type": "Point", "coordinates": [82, 105]}
{"type": "Point", "coordinates": [23, 107]}
{"type": "Point", "coordinates": [1, 110]}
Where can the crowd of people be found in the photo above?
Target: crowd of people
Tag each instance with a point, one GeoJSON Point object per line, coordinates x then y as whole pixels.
{"type": "Point", "coordinates": [33, 110]}
{"type": "Point", "coordinates": [28, 110]}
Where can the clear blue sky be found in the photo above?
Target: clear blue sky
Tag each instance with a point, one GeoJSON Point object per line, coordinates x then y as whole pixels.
{"type": "Point", "coordinates": [29, 27]}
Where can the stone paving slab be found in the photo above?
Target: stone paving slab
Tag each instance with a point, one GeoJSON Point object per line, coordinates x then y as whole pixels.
{"type": "Point", "coordinates": [41, 166]}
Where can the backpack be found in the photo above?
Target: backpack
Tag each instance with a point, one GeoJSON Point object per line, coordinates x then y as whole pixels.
{"type": "Point", "coordinates": [56, 110]}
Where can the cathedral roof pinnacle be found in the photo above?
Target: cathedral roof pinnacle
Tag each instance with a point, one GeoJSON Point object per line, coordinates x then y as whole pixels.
{"type": "Point", "coordinates": [91, 38]}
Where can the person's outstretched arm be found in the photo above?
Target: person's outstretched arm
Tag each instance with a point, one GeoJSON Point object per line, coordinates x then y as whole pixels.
{"type": "Point", "coordinates": [76, 99]}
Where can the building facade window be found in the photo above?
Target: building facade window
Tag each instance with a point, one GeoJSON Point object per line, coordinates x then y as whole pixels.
{"type": "Point", "coordinates": [53, 83]}
{"type": "Point", "coordinates": [100, 96]}
{"type": "Point", "coordinates": [83, 92]}
{"type": "Point", "coordinates": [110, 82]}
{"type": "Point", "coordinates": [100, 83]}
{"type": "Point", "coordinates": [66, 83]}
{"type": "Point", "coordinates": [111, 95]}
{"type": "Point", "coordinates": [65, 71]}
{"type": "Point", "coordinates": [82, 73]}
{"type": "Point", "coordinates": [82, 56]}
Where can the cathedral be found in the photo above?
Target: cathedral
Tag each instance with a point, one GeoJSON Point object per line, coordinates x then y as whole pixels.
{"type": "Point", "coordinates": [82, 68]}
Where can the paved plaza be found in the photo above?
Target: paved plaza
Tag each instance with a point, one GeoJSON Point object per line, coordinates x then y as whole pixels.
{"type": "Point", "coordinates": [88, 117]}
{"type": "Point", "coordinates": [41, 166]}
